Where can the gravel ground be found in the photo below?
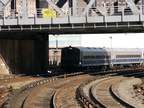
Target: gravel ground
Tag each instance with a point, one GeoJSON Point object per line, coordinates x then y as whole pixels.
{"type": "Point", "coordinates": [125, 90]}
{"type": "Point", "coordinates": [15, 85]}
{"type": "Point", "coordinates": [69, 100]}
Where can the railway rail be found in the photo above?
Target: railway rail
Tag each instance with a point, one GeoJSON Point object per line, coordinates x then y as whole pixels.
{"type": "Point", "coordinates": [54, 91]}
{"type": "Point", "coordinates": [50, 89]}
{"type": "Point", "coordinates": [68, 92]}
{"type": "Point", "coordinates": [100, 93]}
{"type": "Point", "coordinates": [10, 83]}
{"type": "Point", "coordinates": [103, 93]}
{"type": "Point", "coordinates": [4, 77]}
{"type": "Point", "coordinates": [29, 88]}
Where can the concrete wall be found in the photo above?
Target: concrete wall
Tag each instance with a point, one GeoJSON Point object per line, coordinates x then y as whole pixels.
{"type": "Point", "coordinates": [25, 53]}
{"type": "Point", "coordinates": [4, 69]}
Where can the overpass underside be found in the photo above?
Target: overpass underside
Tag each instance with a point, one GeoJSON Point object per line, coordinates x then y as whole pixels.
{"type": "Point", "coordinates": [25, 24]}
{"type": "Point", "coordinates": [23, 53]}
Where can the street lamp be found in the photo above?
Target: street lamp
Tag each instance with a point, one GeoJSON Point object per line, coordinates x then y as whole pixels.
{"type": "Point", "coordinates": [111, 41]}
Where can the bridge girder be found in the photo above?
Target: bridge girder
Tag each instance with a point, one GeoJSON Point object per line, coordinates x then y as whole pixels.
{"type": "Point", "coordinates": [107, 11]}
{"type": "Point", "coordinates": [3, 3]}
{"type": "Point", "coordinates": [100, 5]}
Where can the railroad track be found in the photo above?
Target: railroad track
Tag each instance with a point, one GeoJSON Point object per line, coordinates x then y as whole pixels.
{"type": "Point", "coordinates": [102, 93]}
{"type": "Point", "coordinates": [4, 77]}
{"type": "Point", "coordinates": [68, 92]}
{"type": "Point", "coordinates": [42, 96]}
{"type": "Point", "coordinates": [10, 83]}
{"type": "Point", "coordinates": [54, 92]}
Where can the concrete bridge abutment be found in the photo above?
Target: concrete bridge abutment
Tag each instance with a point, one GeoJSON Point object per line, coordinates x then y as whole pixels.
{"type": "Point", "coordinates": [23, 53]}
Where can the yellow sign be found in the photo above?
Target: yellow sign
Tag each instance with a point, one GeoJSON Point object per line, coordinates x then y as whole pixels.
{"type": "Point", "coordinates": [49, 13]}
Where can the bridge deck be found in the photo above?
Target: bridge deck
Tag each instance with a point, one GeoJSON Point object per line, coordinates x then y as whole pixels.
{"type": "Point", "coordinates": [66, 22]}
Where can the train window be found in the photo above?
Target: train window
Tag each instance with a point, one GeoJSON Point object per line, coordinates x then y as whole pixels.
{"type": "Point", "coordinates": [139, 55]}
{"type": "Point", "coordinates": [127, 56]}
{"type": "Point", "coordinates": [96, 57]}
{"type": "Point", "coordinates": [100, 56]}
{"type": "Point", "coordinates": [84, 57]}
{"type": "Point", "coordinates": [107, 57]}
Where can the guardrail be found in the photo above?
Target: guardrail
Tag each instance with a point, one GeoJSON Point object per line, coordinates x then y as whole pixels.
{"type": "Point", "coordinates": [95, 14]}
{"type": "Point", "coordinates": [94, 11]}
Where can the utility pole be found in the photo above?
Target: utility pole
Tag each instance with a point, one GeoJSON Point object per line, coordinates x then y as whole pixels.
{"type": "Point", "coordinates": [111, 41]}
{"type": "Point", "coordinates": [56, 51]}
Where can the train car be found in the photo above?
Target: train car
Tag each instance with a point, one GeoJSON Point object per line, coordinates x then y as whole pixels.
{"type": "Point", "coordinates": [91, 58]}
{"type": "Point", "coordinates": [127, 57]}
{"type": "Point", "coordinates": [70, 58]}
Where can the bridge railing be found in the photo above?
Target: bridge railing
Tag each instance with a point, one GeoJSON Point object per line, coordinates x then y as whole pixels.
{"type": "Point", "coordinates": [80, 15]}
{"type": "Point", "coordinates": [81, 11]}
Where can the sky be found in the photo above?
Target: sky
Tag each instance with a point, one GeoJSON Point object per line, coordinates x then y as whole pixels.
{"type": "Point", "coordinates": [128, 40]}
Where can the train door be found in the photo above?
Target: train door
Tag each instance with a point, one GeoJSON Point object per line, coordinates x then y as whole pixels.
{"type": "Point", "coordinates": [70, 58]}
{"type": "Point", "coordinates": [73, 57]}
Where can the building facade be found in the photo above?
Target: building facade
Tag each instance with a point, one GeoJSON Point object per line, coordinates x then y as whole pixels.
{"type": "Point", "coordinates": [56, 42]}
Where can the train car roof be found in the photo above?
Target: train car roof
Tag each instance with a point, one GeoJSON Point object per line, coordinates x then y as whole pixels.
{"type": "Point", "coordinates": [92, 49]}
{"type": "Point", "coordinates": [88, 48]}
{"type": "Point", "coordinates": [106, 49]}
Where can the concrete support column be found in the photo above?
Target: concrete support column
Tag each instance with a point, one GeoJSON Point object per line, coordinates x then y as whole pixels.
{"type": "Point", "coordinates": [25, 53]}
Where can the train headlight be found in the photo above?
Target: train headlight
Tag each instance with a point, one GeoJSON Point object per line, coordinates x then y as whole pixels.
{"type": "Point", "coordinates": [70, 48]}
{"type": "Point", "coordinates": [79, 63]}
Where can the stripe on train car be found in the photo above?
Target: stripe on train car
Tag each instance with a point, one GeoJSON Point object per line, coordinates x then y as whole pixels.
{"type": "Point", "coordinates": [106, 62]}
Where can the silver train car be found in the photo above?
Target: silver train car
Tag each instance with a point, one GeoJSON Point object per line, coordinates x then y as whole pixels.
{"type": "Point", "coordinates": [91, 58]}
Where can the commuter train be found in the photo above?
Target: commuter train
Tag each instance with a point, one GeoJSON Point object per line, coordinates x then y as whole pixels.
{"type": "Point", "coordinates": [91, 58]}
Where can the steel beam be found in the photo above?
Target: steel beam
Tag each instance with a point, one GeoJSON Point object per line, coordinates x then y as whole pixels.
{"type": "Point", "coordinates": [55, 7]}
{"type": "Point", "coordinates": [142, 6]}
{"type": "Point", "coordinates": [24, 8]}
{"type": "Point", "coordinates": [60, 3]}
{"type": "Point", "coordinates": [3, 3]}
{"type": "Point", "coordinates": [74, 7]}
{"type": "Point", "coordinates": [87, 7]}
{"type": "Point", "coordinates": [132, 6]}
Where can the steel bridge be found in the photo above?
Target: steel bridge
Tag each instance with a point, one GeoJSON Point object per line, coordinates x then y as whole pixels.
{"type": "Point", "coordinates": [72, 16]}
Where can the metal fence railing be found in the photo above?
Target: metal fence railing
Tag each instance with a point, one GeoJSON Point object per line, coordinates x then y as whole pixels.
{"type": "Point", "coordinates": [94, 11]}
